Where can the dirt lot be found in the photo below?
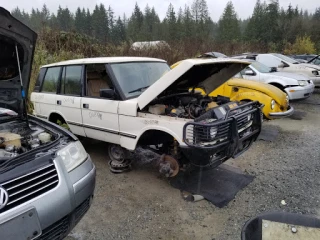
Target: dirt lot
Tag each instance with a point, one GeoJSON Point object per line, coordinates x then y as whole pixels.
{"type": "Point", "coordinates": [142, 205]}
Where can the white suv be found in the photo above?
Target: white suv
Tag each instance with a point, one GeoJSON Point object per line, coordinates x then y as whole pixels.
{"type": "Point", "coordinates": [131, 101]}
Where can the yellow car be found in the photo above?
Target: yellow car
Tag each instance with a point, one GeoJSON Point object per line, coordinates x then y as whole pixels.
{"type": "Point", "coordinates": [276, 102]}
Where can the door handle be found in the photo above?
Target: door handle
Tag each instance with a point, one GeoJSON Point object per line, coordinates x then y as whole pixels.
{"type": "Point", "coordinates": [85, 105]}
{"type": "Point", "coordinates": [58, 102]}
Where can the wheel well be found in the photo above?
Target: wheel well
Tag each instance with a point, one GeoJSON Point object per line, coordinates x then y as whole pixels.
{"type": "Point", "coordinates": [155, 137]}
{"type": "Point", "coordinates": [278, 85]}
{"type": "Point", "coordinates": [55, 117]}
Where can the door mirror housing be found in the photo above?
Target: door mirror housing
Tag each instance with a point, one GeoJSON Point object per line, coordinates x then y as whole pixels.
{"type": "Point", "coordinates": [273, 69]}
{"type": "Point", "coordinates": [108, 93]}
{"type": "Point", "coordinates": [283, 65]}
{"type": "Point", "coordinates": [249, 72]}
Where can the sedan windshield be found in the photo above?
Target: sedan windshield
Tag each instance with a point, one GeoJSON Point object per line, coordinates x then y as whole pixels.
{"type": "Point", "coordinates": [286, 59]}
{"type": "Point", "coordinates": [135, 77]}
{"type": "Point", "coordinates": [261, 67]}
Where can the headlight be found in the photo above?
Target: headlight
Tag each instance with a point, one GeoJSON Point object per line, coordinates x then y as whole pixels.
{"type": "Point", "coordinates": [316, 73]}
{"type": "Point", "coordinates": [287, 98]}
{"type": "Point", "coordinates": [273, 103]}
{"type": "Point", "coordinates": [213, 132]}
{"type": "Point", "coordinates": [73, 155]}
{"type": "Point", "coordinates": [302, 82]}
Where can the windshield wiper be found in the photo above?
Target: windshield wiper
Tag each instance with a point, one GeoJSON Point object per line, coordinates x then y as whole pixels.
{"type": "Point", "coordinates": [139, 89]}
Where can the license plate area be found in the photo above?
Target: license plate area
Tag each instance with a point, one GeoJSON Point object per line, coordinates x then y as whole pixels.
{"type": "Point", "coordinates": [24, 226]}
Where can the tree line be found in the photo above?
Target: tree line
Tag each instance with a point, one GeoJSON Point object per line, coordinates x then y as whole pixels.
{"type": "Point", "coordinates": [269, 25]}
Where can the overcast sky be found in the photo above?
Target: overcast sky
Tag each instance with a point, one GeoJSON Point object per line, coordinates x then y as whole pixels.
{"type": "Point", "coordinates": [244, 8]}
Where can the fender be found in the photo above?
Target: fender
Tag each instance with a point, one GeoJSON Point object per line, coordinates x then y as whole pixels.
{"type": "Point", "coordinates": [131, 143]}
{"type": "Point", "coordinates": [59, 113]}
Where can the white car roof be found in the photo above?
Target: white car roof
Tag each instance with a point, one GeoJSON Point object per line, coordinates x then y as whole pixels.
{"type": "Point", "coordinates": [104, 60]}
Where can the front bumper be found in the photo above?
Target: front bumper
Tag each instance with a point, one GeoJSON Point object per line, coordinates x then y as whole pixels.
{"type": "Point", "coordinates": [232, 139]}
{"type": "Point", "coordinates": [299, 92]}
{"type": "Point", "coordinates": [316, 81]}
{"type": "Point", "coordinates": [61, 208]}
{"type": "Point", "coordinates": [287, 113]}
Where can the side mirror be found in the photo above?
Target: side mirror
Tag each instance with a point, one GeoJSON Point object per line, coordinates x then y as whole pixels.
{"type": "Point", "coordinates": [108, 93]}
{"type": "Point", "coordinates": [273, 69]}
{"type": "Point", "coordinates": [249, 73]}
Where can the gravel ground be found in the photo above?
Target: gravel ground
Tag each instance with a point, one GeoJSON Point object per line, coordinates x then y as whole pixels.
{"type": "Point", "coordinates": [142, 205]}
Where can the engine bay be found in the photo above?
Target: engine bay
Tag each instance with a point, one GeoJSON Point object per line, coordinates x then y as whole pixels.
{"type": "Point", "coordinates": [16, 138]}
{"type": "Point", "coordinates": [193, 106]}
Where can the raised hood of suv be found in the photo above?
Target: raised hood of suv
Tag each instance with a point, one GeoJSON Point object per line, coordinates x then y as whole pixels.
{"type": "Point", "coordinates": [14, 33]}
{"type": "Point", "coordinates": [207, 74]}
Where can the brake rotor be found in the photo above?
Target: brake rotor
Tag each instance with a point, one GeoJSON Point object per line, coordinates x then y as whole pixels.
{"type": "Point", "coordinates": [119, 167]}
{"type": "Point", "coordinates": [168, 166]}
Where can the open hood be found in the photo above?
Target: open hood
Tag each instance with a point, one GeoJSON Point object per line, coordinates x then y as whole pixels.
{"type": "Point", "coordinates": [14, 34]}
{"type": "Point", "coordinates": [207, 74]}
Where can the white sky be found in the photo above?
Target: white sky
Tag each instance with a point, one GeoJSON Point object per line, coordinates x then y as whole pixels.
{"type": "Point", "coordinates": [244, 8]}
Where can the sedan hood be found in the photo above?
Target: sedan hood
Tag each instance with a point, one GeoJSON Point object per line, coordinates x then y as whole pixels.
{"type": "Point", "coordinates": [207, 74]}
{"type": "Point", "coordinates": [15, 34]}
{"type": "Point", "coordinates": [272, 91]}
{"type": "Point", "coordinates": [287, 75]}
{"type": "Point", "coordinates": [310, 65]}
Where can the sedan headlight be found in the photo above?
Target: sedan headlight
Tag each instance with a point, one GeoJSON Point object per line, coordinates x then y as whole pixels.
{"type": "Point", "coordinates": [316, 73]}
{"type": "Point", "coordinates": [303, 82]}
{"type": "Point", "coordinates": [273, 104]}
{"type": "Point", "coordinates": [73, 155]}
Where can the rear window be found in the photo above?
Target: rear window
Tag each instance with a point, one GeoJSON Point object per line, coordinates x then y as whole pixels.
{"type": "Point", "coordinates": [51, 79]}
{"type": "Point", "coordinates": [71, 80]}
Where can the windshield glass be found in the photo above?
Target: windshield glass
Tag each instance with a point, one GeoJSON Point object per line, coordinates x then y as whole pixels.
{"type": "Point", "coordinates": [261, 67]}
{"type": "Point", "coordinates": [286, 59]}
{"type": "Point", "coordinates": [135, 77]}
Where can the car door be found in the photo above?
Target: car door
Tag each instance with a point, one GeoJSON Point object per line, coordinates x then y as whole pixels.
{"type": "Point", "coordinates": [44, 101]}
{"type": "Point", "coordinates": [68, 99]}
{"type": "Point", "coordinates": [99, 115]}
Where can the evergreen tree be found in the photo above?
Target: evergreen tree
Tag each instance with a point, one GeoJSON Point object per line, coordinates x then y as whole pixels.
{"type": "Point", "coordinates": [229, 29]}
{"type": "Point", "coordinates": [135, 24]}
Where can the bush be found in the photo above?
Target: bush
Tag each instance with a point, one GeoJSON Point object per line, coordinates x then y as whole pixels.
{"type": "Point", "coordinates": [302, 45]}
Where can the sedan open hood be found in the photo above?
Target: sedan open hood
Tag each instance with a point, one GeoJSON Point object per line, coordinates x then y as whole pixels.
{"type": "Point", "coordinates": [14, 35]}
{"type": "Point", "coordinates": [207, 74]}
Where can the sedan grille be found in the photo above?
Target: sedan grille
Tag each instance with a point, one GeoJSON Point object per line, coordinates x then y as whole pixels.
{"type": "Point", "coordinates": [29, 186]}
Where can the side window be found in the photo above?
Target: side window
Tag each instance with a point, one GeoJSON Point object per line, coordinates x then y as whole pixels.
{"type": "Point", "coordinates": [97, 78]}
{"type": "Point", "coordinates": [51, 79]}
{"type": "Point", "coordinates": [71, 80]}
{"type": "Point", "coordinates": [269, 60]}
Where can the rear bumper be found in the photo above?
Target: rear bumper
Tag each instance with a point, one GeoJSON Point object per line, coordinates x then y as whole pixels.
{"type": "Point", "coordinates": [287, 113]}
{"type": "Point", "coordinates": [300, 92]}
{"type": "Point", "coordinates": [236, 140]}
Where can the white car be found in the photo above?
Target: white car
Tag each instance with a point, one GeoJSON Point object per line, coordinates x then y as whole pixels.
{"type": "Point", "coordinates": [131, 101]}
{"type": "Point", "coordinates": [296, 86]}
{"type": "Point", "coordinates": [286, 64]}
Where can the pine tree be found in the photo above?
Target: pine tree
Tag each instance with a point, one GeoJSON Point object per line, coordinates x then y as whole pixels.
{"type": "Point", "coordinates": [169, 23]}
{"type": "Point", "coordinates": [229, 30]}
{"type": "Point", "coordinates": [135, 24]}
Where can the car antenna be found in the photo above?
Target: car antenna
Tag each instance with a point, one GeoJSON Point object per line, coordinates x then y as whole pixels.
{"type": "Point", "coordinates": [23, 93]}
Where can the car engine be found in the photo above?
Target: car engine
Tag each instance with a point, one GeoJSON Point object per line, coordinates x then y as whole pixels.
{"type": "Point", "coordinates": [193, 106]}
{"type": "Point", "coordinates": [17, 138]}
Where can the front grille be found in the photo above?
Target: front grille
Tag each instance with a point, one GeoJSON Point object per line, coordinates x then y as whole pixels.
{"type": "Point", "coordinates": [199, 134]}
{"type": "Point", "coordinates": [29, 186]}
{"type": "Point", "coordinates": [238, 124]}
{"type": "Point", "coordinates": [56, 231]}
